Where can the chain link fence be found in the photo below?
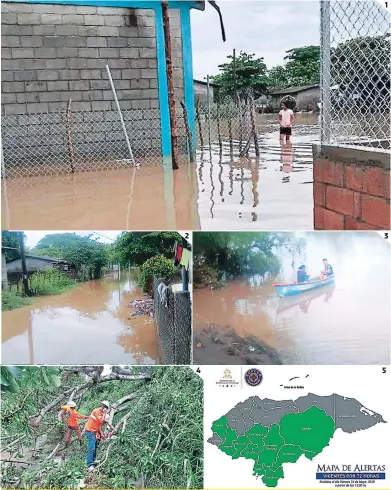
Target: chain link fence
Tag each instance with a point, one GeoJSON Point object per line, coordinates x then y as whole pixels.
{"type": "Point", "coordinates": [173, 323]}
{"type": "Point", "coordinates": [226, 128]}
{"type": "Point", "coordinates": [66, 142]}
{"type": "Point", "coordinates": [355, 73]}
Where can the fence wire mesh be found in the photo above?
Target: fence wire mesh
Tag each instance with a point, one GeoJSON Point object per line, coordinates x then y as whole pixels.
{"type": "Point", "coordinates": [67, 142]}
{"type": "Point", "coordinates": [226, 127]}
{"type": "Point", "coordinates": [355, 73]}
{"type": "Point", "coordinates": [173, 322]}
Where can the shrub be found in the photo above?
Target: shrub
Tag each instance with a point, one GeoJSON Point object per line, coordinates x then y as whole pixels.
{"type": "Point", "coordinates": [156, 266]}
{"type": "Point", "coordinates": [50, 281]}
{"type": "Point", "coordinates": [289, 101]}
{"type": "Point", "coordinates": [11, 300]}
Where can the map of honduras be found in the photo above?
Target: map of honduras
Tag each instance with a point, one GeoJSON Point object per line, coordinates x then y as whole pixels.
{"type": "Point", "coordinates": [274, 432]}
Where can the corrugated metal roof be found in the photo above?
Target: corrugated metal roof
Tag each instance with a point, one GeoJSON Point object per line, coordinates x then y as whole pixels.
{"type": "Point", "coordinates": [48, 259]}
{"type": "Point", "coordinates": [292, 90]}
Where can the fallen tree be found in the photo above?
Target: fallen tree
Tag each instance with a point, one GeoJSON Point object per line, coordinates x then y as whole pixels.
{"type": "Point", "coordinates": [157, 415]}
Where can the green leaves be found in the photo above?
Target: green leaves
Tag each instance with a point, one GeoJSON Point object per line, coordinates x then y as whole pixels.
{"type": "Point", "coordinates": [14, 379]}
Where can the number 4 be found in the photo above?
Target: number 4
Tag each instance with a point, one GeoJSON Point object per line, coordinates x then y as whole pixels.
{"type": "Point", "coordinates": [198, 370]}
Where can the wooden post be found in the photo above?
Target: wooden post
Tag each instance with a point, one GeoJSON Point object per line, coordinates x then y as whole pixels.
{"type": "Point", "coordinates": [188, 132]}
{"type": "Point", "coordinates": [170, 83]}
{"type": "Point", "coordinates": [231, 143]}
{"type": "Point", "coordinates": [24, 268]}
{"type": "Point", "coordinates": [254, 129]}
{"type": "Point", "coordinates": [198, 115]}
{"type": "Point", "coordinates": [219, 129]}
{"type": "Point", "coordinates": [69, 136]}
{"type": "Point", "coordinates": [234, 68]}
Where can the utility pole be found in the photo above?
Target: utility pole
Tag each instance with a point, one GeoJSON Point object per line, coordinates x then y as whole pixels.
{"type": "Point", "coordinates": [25, 281]}
{"type": "Point", "coordinates": [170, 84]}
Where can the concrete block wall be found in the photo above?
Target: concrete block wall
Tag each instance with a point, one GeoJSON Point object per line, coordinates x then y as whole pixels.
{"type": "Point", "coordinates": [351, 188]}
{"type": "Point", "coordinates": [51, 53]}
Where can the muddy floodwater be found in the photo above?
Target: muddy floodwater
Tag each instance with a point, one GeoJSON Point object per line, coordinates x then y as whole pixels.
{"type": "Point", "coordinates": [272, 192]}
{"type": "Point", "coordinates": [345, 323]}
{"type": "Point", "coordinates": [91, 324]}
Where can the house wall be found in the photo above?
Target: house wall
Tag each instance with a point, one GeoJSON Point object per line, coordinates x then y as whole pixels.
{"type": "Point", "coordinates": [201, 93]}
{"type": "Point", "coordinates": [32, 265]}
{"type": "Point", "coordinates": [351, 188]}
{"type": "Point", "coordinates": [304, 99]}
{"type": "Point", "coordinates": [51, 53]}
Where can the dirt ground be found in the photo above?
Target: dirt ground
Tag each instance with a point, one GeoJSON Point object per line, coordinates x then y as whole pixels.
{"type": "Point", "coordinates": [217, 344]}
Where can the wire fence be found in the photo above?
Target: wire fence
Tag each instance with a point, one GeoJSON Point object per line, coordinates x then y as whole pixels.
{"type": "Point", "coordinates": [355, 73]}
{"type": "Point", "coordinates": [60, 143]}
{"type": "Point", "coordinates": [174, 325]}
{"type": "Point", "coordinates": [66, 142]}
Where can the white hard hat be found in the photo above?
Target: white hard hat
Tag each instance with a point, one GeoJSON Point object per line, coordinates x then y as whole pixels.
{"type": "Point", "coordinates": [106, 403]}
{"type": "Point", "coordinates": [71, 404]}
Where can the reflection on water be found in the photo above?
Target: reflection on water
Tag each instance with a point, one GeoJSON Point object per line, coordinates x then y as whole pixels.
{"type": "Point", "coordinates": [216, 193]}
{"type": "Point", "coordinates": [89, 325]}
{"type": "Point", "coordinates": [143, 198]}
{"type": "Point", "coordinates": [247, 193]}
{"type": "Point", "coordinates": [345, 323]}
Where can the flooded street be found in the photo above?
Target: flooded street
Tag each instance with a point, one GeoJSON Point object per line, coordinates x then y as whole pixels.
{"type": "Point", "coordinates": [89, 325]}
{"type": "Point", "coordinates": [272, 192]}
{"type": "Point", "coordinates": [345, 323]}
{"type": "Point", "coordinates": [213, 194]}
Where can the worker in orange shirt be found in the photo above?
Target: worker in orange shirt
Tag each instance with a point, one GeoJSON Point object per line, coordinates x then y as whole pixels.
{"type": "Point", "coordinates": [93, 431]}
{"type": "Point", "coordinates": [70, 413]}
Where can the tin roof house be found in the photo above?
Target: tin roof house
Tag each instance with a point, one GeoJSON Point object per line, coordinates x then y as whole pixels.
{"type": "Point", "coordinates": [56, 51]}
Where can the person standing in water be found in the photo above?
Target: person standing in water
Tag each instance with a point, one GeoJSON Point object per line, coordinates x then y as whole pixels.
{"type": "Point", "coordinates": [286, 117]}
{"type": "Point", "coordinates": [327, 271]}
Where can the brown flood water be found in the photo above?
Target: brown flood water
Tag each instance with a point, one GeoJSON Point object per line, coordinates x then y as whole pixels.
{"type": "Point", "coordinates": [89, 325]}
{"type": "Point", "coordinates": [153, 198]}
{"type": "Point", "coordinates": [348, 323]}
{"type": "Point", "coordinates": [272, 192]}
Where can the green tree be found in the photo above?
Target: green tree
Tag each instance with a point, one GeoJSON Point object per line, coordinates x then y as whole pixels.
{"type": "Point", "coordinates": [11, 239]}
{"type": "Point", "coordinates": [302, 67]}
{"type": "Point", "coordinates": [250, 75]}
{"type": "Point", "coordinates": [362, 66]}
{"type": "Point", "coordinates": [86, 253]}
{"type": "Point", "coordinates": [135, 248]}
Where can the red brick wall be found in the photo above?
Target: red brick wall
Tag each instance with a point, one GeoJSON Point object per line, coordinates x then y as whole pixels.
{"type": "Point", "coordinates": [351, 191]}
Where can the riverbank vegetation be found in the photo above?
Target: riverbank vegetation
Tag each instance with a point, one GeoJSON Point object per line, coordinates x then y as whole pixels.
{"type": "Point", "coordinates": [157, 412]}
{"type": "Point", "coordinates": [219, 256]}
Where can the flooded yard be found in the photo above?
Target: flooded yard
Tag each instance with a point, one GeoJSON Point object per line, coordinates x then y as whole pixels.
{"type": "Point", "coordinates": [345, 323]}
{"type": "Point", "coordinates": [273, 191]}
{"type": "Point", "coordinates": [90, 324]}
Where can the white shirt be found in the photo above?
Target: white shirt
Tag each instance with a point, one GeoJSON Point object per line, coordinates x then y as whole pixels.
{"type": "Point", "coordinates": [286, 118]}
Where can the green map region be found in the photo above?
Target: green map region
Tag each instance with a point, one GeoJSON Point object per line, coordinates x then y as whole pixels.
{"type": "Point", "coordinates": [274, 432]}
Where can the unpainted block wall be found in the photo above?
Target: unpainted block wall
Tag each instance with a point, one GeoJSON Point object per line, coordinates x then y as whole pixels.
{"type": "Point", "coordinates": [351, 189]}
{"type": "Point", "coordinates": [53, 52]}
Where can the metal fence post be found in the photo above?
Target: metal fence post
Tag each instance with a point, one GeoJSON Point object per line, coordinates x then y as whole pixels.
{"type": "Point", "coordinates": [325, 75]}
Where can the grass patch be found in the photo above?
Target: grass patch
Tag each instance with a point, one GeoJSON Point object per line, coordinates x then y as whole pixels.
{"type": "Point", "coordinates": [47, 282]}
{"type": "Point", "coordinates": [11, 300]}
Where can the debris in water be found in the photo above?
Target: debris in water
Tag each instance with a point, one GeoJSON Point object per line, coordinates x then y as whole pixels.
{"type": "Point", "coordinates": [145, 306]}
{"type": "Point", "coordinates": [199, 344]}
{"type": "Point", "coordinates": [251, 348]}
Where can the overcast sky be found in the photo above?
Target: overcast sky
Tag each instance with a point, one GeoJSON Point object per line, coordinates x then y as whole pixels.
{"type": "Point", "coordinates": [33, 237]}
{"type": "Point", "coordinates": [267, 28]}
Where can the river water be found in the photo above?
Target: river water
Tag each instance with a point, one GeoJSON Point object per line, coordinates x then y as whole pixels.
{"type": "Point", "coordinates": [348, 323]}
{"type": "Point", "coordinates": [272, 192]}
{"type": "Point", "coordinates": [89, 325]}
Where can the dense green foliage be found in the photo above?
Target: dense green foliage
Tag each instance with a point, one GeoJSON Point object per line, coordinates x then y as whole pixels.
{"type": "Point", "coordinates": [15, 379]}
{"type": "Point", "coordinates": [161, 445]}
{"type": "Point", "coordinates": [135, 248]}
{"type": "Point", "coordinates": [87, 254]}
{"type": "Point", "coordinates": [361, 66]}
{"type": "Point", "coordinates": [244, 253]}
{"type": "Point", "coordinates": [302, 68]}
{"type": "Point", "coordinates": [249, 75]}
{"type": "Point", "coordinates": [10, 300]}
{"type": "Point", "coordinates": [158, 266]}
{"type": "Point", "coordinates": [11, 239]}
{"type": "Point", "coordinates": [50, 281]}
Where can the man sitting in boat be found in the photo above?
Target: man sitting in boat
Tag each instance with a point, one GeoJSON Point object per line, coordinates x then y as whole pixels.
{"type": "Point", "coordinates": [327, 271]}
{"type": "Point", "coordinates": [302, 275]}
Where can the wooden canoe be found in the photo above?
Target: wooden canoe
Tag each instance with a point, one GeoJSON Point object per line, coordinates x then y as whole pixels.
{"type": "Point", "coordinates": [291, 289]}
